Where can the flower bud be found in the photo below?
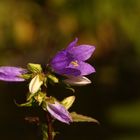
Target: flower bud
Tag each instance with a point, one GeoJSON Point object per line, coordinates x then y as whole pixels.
{"type": "Point", "coordinates": [12, 74]}
{"type": "Point", "coordinates": [59, 112]}
{"type": "Point", "coordinates": [77, 80]}
{"type": "Point", "coordinates": [53, 78]}
{"type": "Point", "coordinates": [35, 68]}
{"type": "Point", "coordinates": [35, 84]}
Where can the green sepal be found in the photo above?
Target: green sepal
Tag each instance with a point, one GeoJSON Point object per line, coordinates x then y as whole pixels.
{"type": "Point", "coordinates": [35, 68]}
{"type": "Point", "coordinates": [68, 102]}
{"type": "Point", "coordinates": [27, 104]}
{"type": "Point", "coordinates": [53, 78]}
{"type": "Point", "coordinates": [26, 76]}
{"type": "Point", "coordinates": [81, 118]}
{"type": "Point", "coordinates": [40, 97]}
{"type": "Point", "coordinates": [30, 96]}
{"type": "Point", "coordinates": [71, 89]}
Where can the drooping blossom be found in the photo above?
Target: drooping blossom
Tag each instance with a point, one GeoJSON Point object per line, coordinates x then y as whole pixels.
{"type": "Point", "coordinates": [71, 61]}
{"type": "Point", "coordinates": [59, 112]}
{"type": "Point", "coordinates": [11, 74]}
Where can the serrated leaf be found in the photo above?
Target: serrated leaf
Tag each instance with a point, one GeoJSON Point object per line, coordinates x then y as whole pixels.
{"type": "Point", "coordinates": [67, 102]}
{"type": "Point", "coordinates": [27, 104]}
{"type": "Point", "coordinates": [81, 118]}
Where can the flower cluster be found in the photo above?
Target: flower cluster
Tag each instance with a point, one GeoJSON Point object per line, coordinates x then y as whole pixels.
{"type": "Point", "coordinates": [70, 64]}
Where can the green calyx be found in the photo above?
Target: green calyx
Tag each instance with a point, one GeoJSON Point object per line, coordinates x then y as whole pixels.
{"type": "Point", "coordinates": [34, 68]}
{"type": "Point", "coordinates": [53, 78]}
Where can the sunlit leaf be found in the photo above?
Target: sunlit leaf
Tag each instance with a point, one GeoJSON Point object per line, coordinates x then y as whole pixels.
{"type": "Point", "coordinates": [67, 102]}
{"type": "Point", "coordinates": [81, 118]}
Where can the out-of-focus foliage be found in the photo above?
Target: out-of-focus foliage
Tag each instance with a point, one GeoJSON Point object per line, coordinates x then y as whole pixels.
{"type": "Point", "coordinates": [34, 30]}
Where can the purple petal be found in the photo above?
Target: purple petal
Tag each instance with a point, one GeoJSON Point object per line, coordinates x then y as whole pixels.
{"type": "Point", "coordinates": [59, 112]}
{"type": "Point", "coordinates": [72, 44]}
{"type": "Point", "coordinates": [12, 74]}
{"type": "Point", "coordinates": [83, 67]}
{"type": "Point", "coordinates": [70, 71]}
{"type": "Point", "coordinates": [82, 52]}
{"type": "Point", "coordinates": [60, 61]}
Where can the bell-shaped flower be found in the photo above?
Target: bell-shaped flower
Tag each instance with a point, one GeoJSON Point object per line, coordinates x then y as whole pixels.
{"type": "Point", "coordinates": [59, 112]}
{"type": "Point", "coordinates": [12, 74]}
{"type": "Point", "coordinates": [71, 61]}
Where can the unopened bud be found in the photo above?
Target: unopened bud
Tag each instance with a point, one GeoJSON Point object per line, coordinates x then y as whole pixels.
{"type": "Point", "coordinates": [35, 68]}
{"type": "Point", "coordinates": [35, 84]}
{"type": "Point", "coordinates": [77, 81]}
{"type": "Point", "coordinates": [53, 78]}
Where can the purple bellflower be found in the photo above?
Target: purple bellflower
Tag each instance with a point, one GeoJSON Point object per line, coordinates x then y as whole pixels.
{"type": "Point", "coordinates": [59, 112]}
{"type": "Point", "coordinates": [71, 61]}
{"type": "Point", "coordinates": [11, 74]}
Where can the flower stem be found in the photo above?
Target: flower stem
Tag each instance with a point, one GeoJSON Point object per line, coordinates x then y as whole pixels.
{"type": "Point", "coordinates": [50, 128]}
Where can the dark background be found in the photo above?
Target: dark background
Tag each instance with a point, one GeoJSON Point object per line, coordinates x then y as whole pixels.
{"type": "Point", "coordinates": [34, 30]}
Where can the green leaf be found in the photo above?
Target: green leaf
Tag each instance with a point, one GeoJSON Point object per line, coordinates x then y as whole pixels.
{"type": "Point", "coordinates": [67, 102]}
{"type": "Point", "coordinates": [35, 68]}
{"type": "Point", "coordinates": [27, 104]}
{"type": "Point", "coordinates": [81, 118]}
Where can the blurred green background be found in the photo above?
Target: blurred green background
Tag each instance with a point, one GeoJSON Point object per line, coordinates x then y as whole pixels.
{"type": "Point", "coordinates": [34, 30]}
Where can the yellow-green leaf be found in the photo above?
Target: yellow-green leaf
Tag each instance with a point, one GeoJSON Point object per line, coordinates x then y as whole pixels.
{"type": "Point", "coordinates": [67, 102]}
{"type": "Point", "coordinates": [81, 118]}
{"type": "Point", "coordinates": [35, 68]}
